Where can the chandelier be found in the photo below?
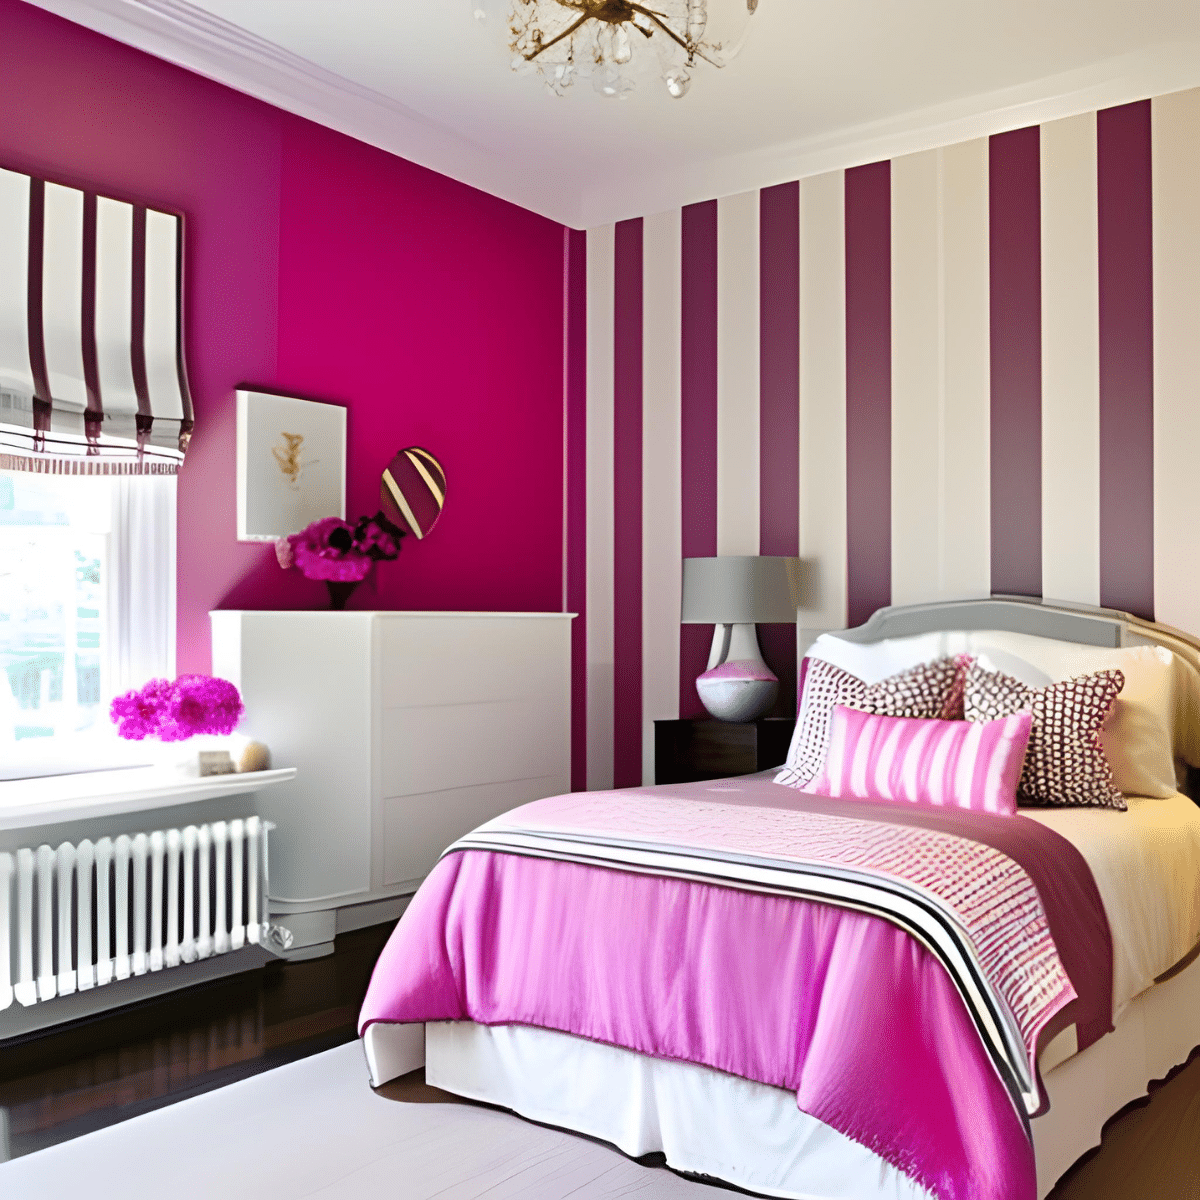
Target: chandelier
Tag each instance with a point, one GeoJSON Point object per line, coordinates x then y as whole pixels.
{"type": "Point", "coordinates": [611, 40]}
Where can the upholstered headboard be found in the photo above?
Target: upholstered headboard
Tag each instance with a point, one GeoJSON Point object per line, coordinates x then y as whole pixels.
{"type": "Point", "coordinates": [1025, 614]}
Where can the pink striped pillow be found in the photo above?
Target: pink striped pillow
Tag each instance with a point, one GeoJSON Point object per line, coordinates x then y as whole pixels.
{"type": "Point", "coordinates": [954, 764]}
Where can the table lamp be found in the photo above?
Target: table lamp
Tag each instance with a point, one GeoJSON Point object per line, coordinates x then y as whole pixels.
{"type": "Point", "coordinates": [734, 592]}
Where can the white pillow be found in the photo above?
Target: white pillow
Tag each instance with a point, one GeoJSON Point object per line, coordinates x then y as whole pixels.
{"type": "Point", "coordinates": [874, 661]}
{"type": "Point", "coordinates": [991, 659]}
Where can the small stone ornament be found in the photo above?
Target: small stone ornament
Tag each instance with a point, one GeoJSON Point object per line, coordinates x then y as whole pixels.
{"type": "Point", "coordinates": [216, 762]}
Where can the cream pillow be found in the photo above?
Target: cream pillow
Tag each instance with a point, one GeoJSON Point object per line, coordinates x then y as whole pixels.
{"type": "Point", "coordinates": [1137, 736]}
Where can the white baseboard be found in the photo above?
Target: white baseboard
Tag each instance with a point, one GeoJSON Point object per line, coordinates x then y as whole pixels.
{"type": "Point", "coordinates": [378, 912]}
{"type": "Point", "coordinates": [17, 1020]}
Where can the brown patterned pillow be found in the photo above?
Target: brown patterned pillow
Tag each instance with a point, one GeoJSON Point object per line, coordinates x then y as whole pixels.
{"type": "Point", "coordinates": [1064, 763]}
{"type": "Point", "coordinates": [931, 690]}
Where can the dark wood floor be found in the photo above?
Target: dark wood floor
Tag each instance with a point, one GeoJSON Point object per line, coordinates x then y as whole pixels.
{"type": "Point", "coordinates": [1151, 1150]}
{"type": "Point", "coordinates": [58, 1085]}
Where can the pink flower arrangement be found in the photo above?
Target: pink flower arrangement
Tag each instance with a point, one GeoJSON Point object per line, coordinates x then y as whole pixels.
{"type": "Point", "coordinates": [173, 712]}
{"type": "Point", "coordinates": [340, 553]}
{"type": "Point", "coordinates": [325, 550]}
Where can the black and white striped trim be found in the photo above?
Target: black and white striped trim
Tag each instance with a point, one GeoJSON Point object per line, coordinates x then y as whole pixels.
{"type": "Point", "coordinates": [911, 909]}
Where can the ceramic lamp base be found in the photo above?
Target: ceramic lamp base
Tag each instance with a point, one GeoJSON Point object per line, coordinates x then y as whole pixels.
{"type": "Point", "coordinates": [738, 691]}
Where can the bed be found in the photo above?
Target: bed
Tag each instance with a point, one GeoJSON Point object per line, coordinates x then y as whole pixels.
{"type": "Point", "coordinates": [954, 1073]}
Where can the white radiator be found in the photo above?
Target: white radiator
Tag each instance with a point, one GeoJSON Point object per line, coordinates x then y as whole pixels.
{"type": "Point", "coordinates": [92, 912]}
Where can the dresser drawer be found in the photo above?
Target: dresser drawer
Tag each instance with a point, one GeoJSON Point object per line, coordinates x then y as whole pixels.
{"type": "Point", "coordinates": [433, 662]}
{"type": "Point", "coordinates": [461, 745]}
{"type": "Point", "coordinates": [416, 829]}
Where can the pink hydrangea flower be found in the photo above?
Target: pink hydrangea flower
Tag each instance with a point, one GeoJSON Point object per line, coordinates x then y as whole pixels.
{"type": "Point", "coordinates": [326, 550]}
{"type": "Point", "coordinates": [137, 714]}
{"type": "Point", "coordinates": [173, 712]}
{"type": "Point", "coordinates": [379, 541]}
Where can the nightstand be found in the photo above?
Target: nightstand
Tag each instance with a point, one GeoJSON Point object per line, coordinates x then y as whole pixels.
{"type": "Point", "coordinates": [701, 748]}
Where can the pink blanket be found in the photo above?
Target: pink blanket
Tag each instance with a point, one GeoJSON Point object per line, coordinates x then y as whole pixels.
{"type": "Point", "coordinates": [839, 1005]}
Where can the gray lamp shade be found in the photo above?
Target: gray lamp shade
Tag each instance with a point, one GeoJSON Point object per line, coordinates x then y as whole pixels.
{"type": "Point", "coordinates": [736, 589]}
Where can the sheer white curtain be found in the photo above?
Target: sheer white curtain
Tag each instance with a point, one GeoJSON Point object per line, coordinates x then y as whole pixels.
{"type": "Point", "coordinates": [131, 524]}
{"type": "Point", "coordinates": [141, 588]}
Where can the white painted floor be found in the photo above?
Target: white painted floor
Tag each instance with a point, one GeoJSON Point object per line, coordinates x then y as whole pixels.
{"type": "Point", "coordinates": [314, 1129]}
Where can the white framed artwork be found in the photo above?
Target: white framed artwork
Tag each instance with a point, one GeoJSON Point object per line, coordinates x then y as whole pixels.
{"type": "Point", "coordinates": [291, 464]}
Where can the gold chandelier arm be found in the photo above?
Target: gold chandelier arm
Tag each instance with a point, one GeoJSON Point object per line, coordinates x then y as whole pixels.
{"type": "Point", "coordinates": [566, 33]}
{"type": "Point", "coordinates": [653, 16]}
{"type": "Point", "coordinates": [709, 58]}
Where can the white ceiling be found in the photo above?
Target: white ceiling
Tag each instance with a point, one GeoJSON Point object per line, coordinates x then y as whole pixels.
{"type": "Point", "coordinates": [820, 84]}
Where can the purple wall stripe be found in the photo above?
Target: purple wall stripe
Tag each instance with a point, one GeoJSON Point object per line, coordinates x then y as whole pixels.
{"type": "Point", "coordinates": [698, 385]}
{"type": "Point", "coordinates": [627, 505]}
{"type": "Point", "coordinates": [868, 389]}
{"type": "Point", "coordinates": [1123, 153]}
{"type": "Point", "coordinates": [779, 409]}
{"type": "Point", "coordinates": [575, 403]}
{"type": "Point", "coordinates": [1015, 250]}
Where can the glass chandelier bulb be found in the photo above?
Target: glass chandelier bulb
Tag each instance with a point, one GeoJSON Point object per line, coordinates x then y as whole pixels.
{"type": "Point", "coordinates": [622, 51]}
{"type": "Point", "coordinates": [678, 81]}
{"type": "Point", "coordinates": [612, 82]}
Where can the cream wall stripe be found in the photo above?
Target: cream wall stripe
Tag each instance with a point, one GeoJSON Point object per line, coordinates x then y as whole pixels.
{"type": "Point", "coordinates": [966, 472]}
{"type": "Point", "coordinates": [737, 374]}
{"type": "Point", "coordinates": [823, 404]}
{"type": "Point", "coordinates": [600, 508]}
{"type": "Point", "coordinates": [1176, 133]}
{"type": "Point", "coordinates": [661, 520]}
{"type": "Point", "coordinates": [1070, 363]}
{"type": "Point", "coordinates": [917, 400]}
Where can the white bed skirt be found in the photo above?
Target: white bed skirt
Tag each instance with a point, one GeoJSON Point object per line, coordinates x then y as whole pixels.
{"type": "Point", "coordinates": [708, 1123]}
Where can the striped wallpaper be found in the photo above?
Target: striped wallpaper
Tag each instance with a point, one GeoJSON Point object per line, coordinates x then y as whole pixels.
{"type": "Point", "coordinates": [964, 371]}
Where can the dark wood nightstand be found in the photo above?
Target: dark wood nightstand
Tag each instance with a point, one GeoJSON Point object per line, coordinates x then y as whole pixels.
{"type": "Point", "coordinates": [690, 750]}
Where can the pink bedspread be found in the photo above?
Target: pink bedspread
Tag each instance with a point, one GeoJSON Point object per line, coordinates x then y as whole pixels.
{"type": "Point", "coordinates": [841, 1007]}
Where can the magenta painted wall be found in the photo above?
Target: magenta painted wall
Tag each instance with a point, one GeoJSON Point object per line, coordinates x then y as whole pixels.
{"type": "Point", "coordinates": [323, 267]}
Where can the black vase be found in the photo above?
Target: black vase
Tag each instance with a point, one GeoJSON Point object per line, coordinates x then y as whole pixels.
{"type": "Point", "coordinates": [340, 591]}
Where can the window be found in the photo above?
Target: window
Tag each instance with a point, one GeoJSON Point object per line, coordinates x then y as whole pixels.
{"type": "Point", "coordinates": [87, 568]}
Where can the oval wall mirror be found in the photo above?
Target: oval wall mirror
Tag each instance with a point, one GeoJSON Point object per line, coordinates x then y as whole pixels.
{"type": "Point", "coordinates": [412, 491]}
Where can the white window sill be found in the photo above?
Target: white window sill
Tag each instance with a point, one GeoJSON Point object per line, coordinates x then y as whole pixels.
{"type": "Point", "coordinates": [57, 798]}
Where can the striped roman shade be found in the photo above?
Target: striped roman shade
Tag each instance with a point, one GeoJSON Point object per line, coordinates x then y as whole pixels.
{"type": "Point", "coordinates": [92, 377]}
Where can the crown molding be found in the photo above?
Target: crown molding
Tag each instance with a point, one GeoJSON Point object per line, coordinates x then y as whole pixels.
{"type": "Point", "coordinates": [199, 41]}
{"type": "Point", "coordinates": [190, 37]}
{"type": "Point", "coordinates": [1170, 67]}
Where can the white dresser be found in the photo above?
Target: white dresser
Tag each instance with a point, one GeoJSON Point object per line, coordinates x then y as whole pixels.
{"type": "Point", "coordinates": [407, 729]}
